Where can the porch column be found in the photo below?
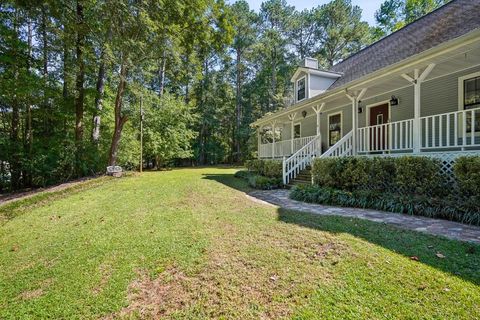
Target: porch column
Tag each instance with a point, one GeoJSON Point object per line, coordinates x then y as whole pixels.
{"type": "Point", "coordinates": [417, 80]}
{"type": "Point", "coordinates": [355, 98]}
{"type": "Point", "coordinates": [291, 117]}
{"type": "Point", "coordinates": [273, 139]}
{"type": "Point", "coordinates": [318, 111]}
{"type": "Point", "coordinates": [259, 141]}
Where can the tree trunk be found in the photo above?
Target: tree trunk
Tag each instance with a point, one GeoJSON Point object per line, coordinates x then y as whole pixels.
{"type": "Point", "coordinates": [79, 83]}
{"type": "Point", "coordinates": [162, 73]}
{"type": "Point", "coordinates": [99, 99]}
{"type": "Point", "coordinates": [15, 170]}
{"type": "Point", "coordinates": [28, 143]}
{"type": "Point", "coordinates": [119, 119]}
{"type": "Point", "coordinates": [238, 107]}
{"type": "Point", "coordinates": [274, 80]}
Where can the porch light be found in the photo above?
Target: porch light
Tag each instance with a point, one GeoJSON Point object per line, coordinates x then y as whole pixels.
{"type": "Point", "coordinates": [360, 108]}
{"type": "Point", "coordinates": [394, 101]}
{"type": "Point", "coordinates": [304, 113]}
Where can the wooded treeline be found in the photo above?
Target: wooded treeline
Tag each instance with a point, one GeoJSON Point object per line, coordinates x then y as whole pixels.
{"type": "Point", "coordinates": [73, 74]}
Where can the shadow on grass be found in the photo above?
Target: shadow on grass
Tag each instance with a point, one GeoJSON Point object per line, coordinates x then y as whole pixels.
{"type": "Point", "coordinates": [461, 259]}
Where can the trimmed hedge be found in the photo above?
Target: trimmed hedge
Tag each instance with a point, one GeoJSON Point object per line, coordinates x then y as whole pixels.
{"type": "Point", "coordinates": [467, 175]}
{"type": "Point", "coordinates": [406, 175]}
{"type": "Point", "coordinates": [267, 168]}
{"type": "Point", "coordinates": [444, 208]}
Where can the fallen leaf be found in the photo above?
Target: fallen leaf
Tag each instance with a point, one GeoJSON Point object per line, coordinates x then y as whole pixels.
{"type": "Point", "coordinates": [446, 289]}
{"type": "Point", "coordinates": [414, 258]}
{"type": "Point", "coordinates": [439, 255]}
{"type": "Point", "coordinates": [274, 278]}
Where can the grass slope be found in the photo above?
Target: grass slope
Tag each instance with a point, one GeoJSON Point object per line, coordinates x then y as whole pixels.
{"type": "Point", "coordinates": [189, 244]}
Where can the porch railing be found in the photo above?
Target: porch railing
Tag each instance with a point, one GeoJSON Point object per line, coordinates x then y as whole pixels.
{"type": "Point", "coordinates": [343, 147]}
{"type": "Point", "coordinates": [451, 130]}
{"type": "Point", "coordinates": [395, 136]}
{"type": "Point", "coordinates": [283, 148]}
{"type": "Point", "coordinates": [301, 159]}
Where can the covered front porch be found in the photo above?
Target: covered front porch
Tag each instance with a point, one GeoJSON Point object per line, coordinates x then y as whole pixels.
{"type": "Point", "coordinates": [427, 105]}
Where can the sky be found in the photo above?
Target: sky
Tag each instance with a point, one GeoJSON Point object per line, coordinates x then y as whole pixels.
{"type": "Point", "coordinates": [368, 6]}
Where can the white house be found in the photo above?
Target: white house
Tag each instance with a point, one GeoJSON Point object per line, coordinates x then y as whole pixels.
{"type": "Point", "coordinates": [416, 91]}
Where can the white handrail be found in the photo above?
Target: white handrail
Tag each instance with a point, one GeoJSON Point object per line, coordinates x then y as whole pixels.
{"type": "Point", "coordinates": [283, 148]}
{"type": "Point", "coordinates": [343, 147]}
{"type": "Point", "coordinates": [300, 159]}
{"type": "Point", "coordinates": [396, 135]}
{"type": "Point", "coordinates": [451, 130]}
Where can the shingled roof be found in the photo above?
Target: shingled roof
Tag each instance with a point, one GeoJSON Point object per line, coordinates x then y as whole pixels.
{"type": "Point", "coordinates": [448, 22]}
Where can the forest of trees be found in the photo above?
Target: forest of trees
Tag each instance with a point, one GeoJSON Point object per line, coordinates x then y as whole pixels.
{"type": "Point", "coordinates": [74, 73]}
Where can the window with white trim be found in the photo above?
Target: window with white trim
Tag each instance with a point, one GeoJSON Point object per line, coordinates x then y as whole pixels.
{"type": "Point", "coordinates": [301, 89]}
{"type": "Point", "coordinates": [471, 100]}
{"type": "Point", "coordinates": [296, 131]}
{"type": "Point", "coordinates": [334, 128]}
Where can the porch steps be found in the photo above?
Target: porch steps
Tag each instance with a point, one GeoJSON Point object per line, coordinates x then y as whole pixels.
{"type": "Point", "coordinates": [303, 178]}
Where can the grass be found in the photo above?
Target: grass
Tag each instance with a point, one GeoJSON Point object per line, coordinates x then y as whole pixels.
{"type": "Point", "coordinates": [188, 244]}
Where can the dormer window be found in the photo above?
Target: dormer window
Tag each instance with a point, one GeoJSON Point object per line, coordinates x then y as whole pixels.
{"type": "Point", "coordinates": [301, 89]}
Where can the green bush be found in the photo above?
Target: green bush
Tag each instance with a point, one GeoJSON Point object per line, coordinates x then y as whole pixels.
{"type": "Point", "coordinates": [407, 175]}
{"type": "Point", "coordinates": [419, 175]}
{"type": "Point", "coordinates": [255, 165]}
{"type": "Point", "coordinates": [467, 175]}
{"type": "Point", "coordinates": [443, 208]}
{"type": "Point", "coordinates": [264, 183]}
{"type": "Point", "coordinates": [267, 168]}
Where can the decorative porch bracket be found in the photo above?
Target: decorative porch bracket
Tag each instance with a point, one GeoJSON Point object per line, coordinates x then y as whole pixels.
{"type": "Point", "coordinates": [355, 98]}
{"type": "Point", "coordinates": [291, 117]}
{"type": "Point", "coordinates": [417, 80]}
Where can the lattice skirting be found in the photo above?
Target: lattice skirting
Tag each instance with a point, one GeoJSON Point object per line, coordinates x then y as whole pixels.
{"type": "Point", "coordinates": [446, 158]}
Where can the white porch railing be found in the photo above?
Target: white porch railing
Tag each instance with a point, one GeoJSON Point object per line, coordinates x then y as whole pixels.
{"type": "Point", "coordinates": [392, 136]}
{"type": "Point", "coordinates": [283, 148]}
{"type": "Point", "coordinates": [451, 130]}
{"type": "Point", "coordinates": [301, 159]}
{"type": "Point", "coordinates": [343, 147]}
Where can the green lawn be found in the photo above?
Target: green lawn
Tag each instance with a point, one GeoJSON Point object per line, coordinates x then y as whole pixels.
{"type": "Point", "coordinates": [189, 244]}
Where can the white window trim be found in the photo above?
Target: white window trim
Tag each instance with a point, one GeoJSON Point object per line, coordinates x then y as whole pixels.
{"type": "Point", "coordinates": [461, 92]}
{"type": "Point", "coordinates": [328, 125]}
{"type": "Point", "coordinates": [296, 88]}
{"type": "Point", "coordinates": [297, 124]}
{"type": "Point", "coordinates": [376, 104]}
{"type": "Point", "coordinates": [461, 88]}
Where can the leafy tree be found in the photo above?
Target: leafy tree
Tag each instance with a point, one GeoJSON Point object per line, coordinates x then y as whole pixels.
{"type": "Point", "coordinates": [340, 31]}
{"type": "Point", "coordinates": [394, 14]}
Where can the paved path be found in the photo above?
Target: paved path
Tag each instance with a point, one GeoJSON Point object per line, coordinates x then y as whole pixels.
{"type": "Point", "coordinates": [449, 229]}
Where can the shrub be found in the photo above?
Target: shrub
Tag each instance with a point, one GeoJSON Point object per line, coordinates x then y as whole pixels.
{"type": "Point", "coordinates": [419, 175]}
{"type": "Point", "coordinates": [272, 169]}
{"type": "Point", "coordinates": [264, 183]}
{"type": "Point", "coordinates": [255, 165]}
{"type": "Point", "coordinates": [406, 175]}
{"type": "Point", "coordinates": [443, 208]}
{"type": "Point", "coordinates": [267, 168]}
{"type": "Point", "coordinates": [467, 175]}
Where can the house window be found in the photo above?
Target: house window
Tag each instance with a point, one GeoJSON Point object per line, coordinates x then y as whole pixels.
{"type": "Point", "coordinates": [301, 89]}
{"type": "Point", "coordinates": [334, 128]}
{"type": "Point", "coordinates": [471, 100]}
{"type": "Point", "coordinates": [296, 131]}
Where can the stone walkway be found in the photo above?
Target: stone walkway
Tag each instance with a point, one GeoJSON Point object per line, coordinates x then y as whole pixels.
{"type": "Point", "coordinates": [449, 229]}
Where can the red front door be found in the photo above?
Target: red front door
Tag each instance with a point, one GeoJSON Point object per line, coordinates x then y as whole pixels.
{"type": "Point", "coordinates": [378, 132]}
